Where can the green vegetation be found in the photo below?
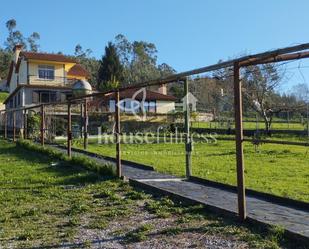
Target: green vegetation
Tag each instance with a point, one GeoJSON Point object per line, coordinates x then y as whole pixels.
{"type": "Point", "coordinates": [45, 202]}
{"type": "Point", "coordinates": [278, 169]}
{"type": "Point", "coordinates": [3, 96]}
{"type": "Point", "coordinates": [251, 125]}
{"type": "Point", "coordinates": [84, 161]}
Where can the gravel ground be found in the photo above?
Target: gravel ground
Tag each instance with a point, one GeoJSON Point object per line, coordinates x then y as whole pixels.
{"type": "Point", "coordinates": [114, 236]}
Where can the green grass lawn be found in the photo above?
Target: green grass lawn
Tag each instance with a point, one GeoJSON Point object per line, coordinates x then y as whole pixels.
{"type": "Point", "coordinates": [3, 96]}
{"type": "Point", "coordinates": [45, 203]}
{"type": "Point", "coordinates": [251, 125]}
{"type": "Point", "coordinates": [278, 169]}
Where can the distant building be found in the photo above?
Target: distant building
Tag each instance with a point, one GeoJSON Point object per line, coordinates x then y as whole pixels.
{"type": "Point", "coordinates": [132, 100]}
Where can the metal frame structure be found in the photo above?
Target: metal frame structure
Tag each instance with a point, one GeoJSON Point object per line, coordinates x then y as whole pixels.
{"type": "Point", "coordinates": [284, 54]}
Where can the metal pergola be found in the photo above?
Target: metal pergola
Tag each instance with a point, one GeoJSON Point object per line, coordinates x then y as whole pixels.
{"type": "Point", "coordinates": [285, 54]}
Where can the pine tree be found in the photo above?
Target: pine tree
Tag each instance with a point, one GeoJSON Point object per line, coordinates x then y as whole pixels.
{"type": "Point", "coordinates": [111, 70]}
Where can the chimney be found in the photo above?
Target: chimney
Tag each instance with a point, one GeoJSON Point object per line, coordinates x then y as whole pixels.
{"type": "Point", "coordinates": [162, 89]}
{"type": "Point", "coordinates": [17, 49]}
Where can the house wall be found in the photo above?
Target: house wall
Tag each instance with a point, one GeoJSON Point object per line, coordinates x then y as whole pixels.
{"type": "Point", "coordinates": [29, 93]}
{"type": "Point", "coordinates": [23, 72]}
{"type": "Point", "coordinates": [34, 74]}
{"type": "Point", "coordinates": [13, 83]}
{"type": "Point", "coordinates": [165, 106]}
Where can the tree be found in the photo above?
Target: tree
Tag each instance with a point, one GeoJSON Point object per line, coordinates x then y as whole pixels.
{"type": "Point", "coordinates": [91, 64]}
{"type": "Point", "coordinates": [110, 70]}
{"type": "Point", "coordinates": [80, 53]}
{"type": "Point", "coordinates": [260, 84]}
{"type": "Point", "coordinates": [5, 59]}
{"type": "Point", "coordinates": [32, 40]}
{"type": "Point", "coordinates": [301, 92]}
{"type": "Point", "coordinates": [16, 37]}
{"type": "Point", "coordinates": [139, 60]}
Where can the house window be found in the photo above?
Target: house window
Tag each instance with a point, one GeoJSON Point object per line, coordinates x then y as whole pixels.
{"type": "Point", "coordinates": [150, 106]}
{"type": "Point", "coordinates": [46, 72]}
{"type": "Point", "coordinates": [44, 96]}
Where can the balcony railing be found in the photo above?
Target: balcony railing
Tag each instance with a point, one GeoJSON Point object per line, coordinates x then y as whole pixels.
{"type": "Point", "coordinates": [55, 81]}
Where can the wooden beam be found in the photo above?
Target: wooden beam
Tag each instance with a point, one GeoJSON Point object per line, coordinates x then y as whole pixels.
{"type": "Point", "coordinates": [117, 134]}
{"type": "Point", "coordinates": [239, 144]}
{"type": "Point", "coordinates": [42, 125]}
{"type": "Point", "coordinates": [69, 131]}
{"type": "Point", "coordinates": [25, 124]}
{"type": "Point", "coordinates": [278, 58]}
{"type": "Point", "coordinates": [5, 125]}
{"type": "Point", "coordinates": [81, 120]}
{"type": "Point", "coordinates": [188, 142]}
{"type": "Point", "coordinates": [14, 126]}
{"type": "Point", "coordinates": [85, 125]}
{"type": "Point", "coordinates": [225, 64]}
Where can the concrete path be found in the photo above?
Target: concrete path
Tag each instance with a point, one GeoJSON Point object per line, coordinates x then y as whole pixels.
{"type": "Point", "coordinates": [295, 220]}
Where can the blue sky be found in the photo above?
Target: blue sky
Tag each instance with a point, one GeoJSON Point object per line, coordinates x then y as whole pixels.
{"type": "Point", "coordinates": [187, 34]}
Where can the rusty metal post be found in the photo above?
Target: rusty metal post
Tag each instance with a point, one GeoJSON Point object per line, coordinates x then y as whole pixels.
{"type": "Point", "coordinates": [42, 125]}
{"type": "Point", "coordinates": [118, 149]}
{"type": "Point", "coordinates": [14, 126]}
{"type": "Point", "coordinates": [5, 125]}
{"type": "Point", "coordinates": [188, 142]}
{"type": "Point", "coordinates": [85, 125]}
{"type": "Point", "coordinates": [239, 143]}
{"type": "Point", "coordinates": [69, 131]}
{"type": "Point", "coordinates": [25, 124]}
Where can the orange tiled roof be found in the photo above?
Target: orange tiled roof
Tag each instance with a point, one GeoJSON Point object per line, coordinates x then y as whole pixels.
{"type": "Point", "coordinates": [78, 70]}
{"type": "Point", "coordinates": [46, 57]}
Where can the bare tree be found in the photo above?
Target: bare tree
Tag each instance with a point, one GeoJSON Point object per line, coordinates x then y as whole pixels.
{"type": "Point", "coordinates": [260, 86]}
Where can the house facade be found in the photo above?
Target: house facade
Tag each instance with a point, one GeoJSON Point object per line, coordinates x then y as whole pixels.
{"type": "Point", "coordinates": [135, 101]}
{"type": "Point", "coordinates": [36, 78]}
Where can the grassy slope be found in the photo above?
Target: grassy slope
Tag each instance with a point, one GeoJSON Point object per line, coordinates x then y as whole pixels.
{"type": "Point", "coordinates": [3, 96]}
{"type": "Point", "coordinates": [279, 169]}
{"type": "Point", "coordinates": [45, 204]}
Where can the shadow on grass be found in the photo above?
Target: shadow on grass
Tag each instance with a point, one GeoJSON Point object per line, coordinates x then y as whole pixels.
{"type": "Point", "coordinates": [68, 174]}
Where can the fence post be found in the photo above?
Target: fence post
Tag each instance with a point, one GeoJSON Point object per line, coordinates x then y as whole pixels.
{"type": "Point", "coordinates": [25, 124]}
{"type": "Point", "coordinates": [5, 125]}
{"type": "Point", "coordinates": [118, 149]}
{"type": "Point", "coordinates": [239, 143]}
{"type": "Point", "coordinates": [85, 126]}
{"type": "Point", "coordinates": [14, 126]}
{"type": "Point", "coordinates": [81, 120]}
{"type": "Point", "coordinates": [42, 124]}
{"type": "Point", "coordinates": [188, 142]}
{"type": "Point", "coordinates": [69, 131]}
